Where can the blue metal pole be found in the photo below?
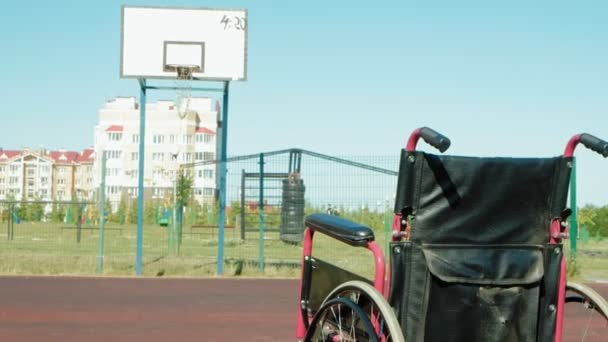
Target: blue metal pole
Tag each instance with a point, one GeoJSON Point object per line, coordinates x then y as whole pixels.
{"type": "Point", "coordinates": [261, 210]}
{"type": "Point", "coordinates": [140, 177]}
{"type": "Point", "coordinates": [102, 211]}
{"type": "Point", "coordinates": [223, 157]}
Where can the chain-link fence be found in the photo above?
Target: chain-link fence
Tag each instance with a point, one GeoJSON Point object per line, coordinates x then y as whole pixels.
{"type": "Point", "coordinates": [68, 237]}
{"type": "Point", "coordinates": [267, 197]}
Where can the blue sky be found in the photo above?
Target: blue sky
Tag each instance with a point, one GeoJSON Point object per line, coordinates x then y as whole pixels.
{"type": "Point", "coordinates": [342, 77]}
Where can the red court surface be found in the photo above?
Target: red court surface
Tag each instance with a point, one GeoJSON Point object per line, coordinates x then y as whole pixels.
{"type": "Point", "coordinates": [129, 309]}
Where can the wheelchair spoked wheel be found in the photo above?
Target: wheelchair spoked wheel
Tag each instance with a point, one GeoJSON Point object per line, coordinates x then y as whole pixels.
{"type": "Point", "coordinates": [354, 311]}
{"type": "Point", "coordinates": [586, 314]}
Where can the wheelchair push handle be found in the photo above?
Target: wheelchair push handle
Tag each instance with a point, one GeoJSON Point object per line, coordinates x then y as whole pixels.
{"type": "Point", "coordinates": [595, 144]}
{"type": "Point", "coordinates": [432, 137]}
{"type": "Point", "coordinates": [591, 142]}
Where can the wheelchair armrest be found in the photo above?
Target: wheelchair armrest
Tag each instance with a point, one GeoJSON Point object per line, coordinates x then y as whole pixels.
{"type": "Point", "coordinates": [341, 229]}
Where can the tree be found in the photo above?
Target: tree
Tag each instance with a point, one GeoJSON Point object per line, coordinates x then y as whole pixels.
{"type": "Point", "coordinates": [57, 212]}
{"type": "Point", "coordinates": [121, 212]}
{"type": "Point", "coordinates": [36, 210]}
{"type": "Point", "coordinates": [132, 212]}
{"type": "Point", "coordinates": [183, 194]}
{"type": "Point", "coordinates": [183, 189]}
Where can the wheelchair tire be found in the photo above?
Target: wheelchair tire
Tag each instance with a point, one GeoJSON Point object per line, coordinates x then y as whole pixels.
{"type": "Point", "coordinates": [332, 323]}
{"type": "Point", "coordinates": [586, 314]}
{"type": "Point", "coordinates": [586, 295]}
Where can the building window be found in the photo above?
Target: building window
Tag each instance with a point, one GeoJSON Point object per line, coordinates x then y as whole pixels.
{"type": "Point", "coordinates": [198, 155]}
{"type": "Point", "coordinates": [114, 136]}
{"type": "Point", "coordinates": [45, 169]}
{"type": "Point", "coordinates": [157, 174]}
{"type": "Point", "coordinates": [112, 190]}
{"type": "Point", "coordinates": [132, 173]}
{"type": "Point", "coordinates": [2, 168]}
{"type": "Point", "coordinates": [208, 156]}
{"type": "Point", "coordinates": [187, 139]}
{"type": "Point", "coordinates": [158, 139]}
{"type": "Point", "coordinates": [111, 171]}
{"type": "Point", "coordinates": [204, 138]}
{"type": "Point", "coordinates": [171, 139]}
{"type": "Point", "coordinates": [207, 192]}
{"type": "Point", "coordinates": [61, 181]}
{"type": "Point", "coordinates": [208, 174]}
{"type": "Point", "coordinates": [113, 154]}
{"type": "Point", "coordinates": [135, 138]}
{"type": "Point", "coordinates": [158, 156]}
{"type": "Point", "coordinates": [31, 172]}
{"type": "Point", "coordinates": [43, 193]}
{"type": "Point", "coordinates": [187, 157]}
{"type": "Point", "coordinates": [15, 168]}
{"type": "Point", "coordinates": [13, 180]}
{"type": "Point", "coordinates": [134, 155]}
{"type": "Point", "coordinates": [159, 192]}
{"type": "Point", "coordinates": [44, 181]}
{"type": "Point", "coordinates": [60, 194]}
{"type": "Point", "coordinates": [1, 180]}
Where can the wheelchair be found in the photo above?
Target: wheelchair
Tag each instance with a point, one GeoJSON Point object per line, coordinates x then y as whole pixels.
{"type": "Point", "coordinates": [476, 254]}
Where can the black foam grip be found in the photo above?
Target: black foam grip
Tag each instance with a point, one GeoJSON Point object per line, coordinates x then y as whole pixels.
{"type": "Point", "coordinates": [435, 139]}
{"type": "Point", "coordinates": [595, 144]}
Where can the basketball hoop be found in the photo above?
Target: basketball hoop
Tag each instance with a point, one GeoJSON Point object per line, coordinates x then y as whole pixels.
{"type": "Point", "coordinates": [183, 83]}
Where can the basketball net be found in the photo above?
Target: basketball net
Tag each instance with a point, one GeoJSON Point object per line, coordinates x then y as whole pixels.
{"type": "Point", "coordinates": [183, 83]}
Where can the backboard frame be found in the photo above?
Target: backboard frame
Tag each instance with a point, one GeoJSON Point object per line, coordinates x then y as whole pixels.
{"type": "Point", "coordinates": [196, 76]}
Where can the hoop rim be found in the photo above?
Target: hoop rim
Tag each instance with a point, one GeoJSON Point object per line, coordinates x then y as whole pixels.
{"type": "Point", "coordinates": [184, 71]}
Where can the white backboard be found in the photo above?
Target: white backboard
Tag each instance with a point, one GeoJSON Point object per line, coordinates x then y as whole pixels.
{"type": "Point", "coordinates": [155, 39]}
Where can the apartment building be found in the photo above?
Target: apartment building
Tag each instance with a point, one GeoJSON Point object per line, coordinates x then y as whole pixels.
{"type": "Point", "coordinates": [170, 142]}
{"type": "Point", "coordinates": [44, 175]}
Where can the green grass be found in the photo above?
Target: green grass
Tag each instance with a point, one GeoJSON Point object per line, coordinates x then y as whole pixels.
{"type": "Point", "coordinates": [591, 260]}
{"type": "Point", "coordinates": [46, 249]}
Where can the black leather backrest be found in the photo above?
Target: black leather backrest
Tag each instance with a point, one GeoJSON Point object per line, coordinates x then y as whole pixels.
{"type": "Point", "coordinates": [481, 200]}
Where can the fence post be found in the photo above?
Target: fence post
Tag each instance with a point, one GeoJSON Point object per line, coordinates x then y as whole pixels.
{"type": "Point", "coordinates": [261, 211]}
{"type": "Point", "coordinates": [78, 227]}
{"type": "Point", "coordinates": [242, 223]}
{"type": "Point", "coordinates": [102, 214]}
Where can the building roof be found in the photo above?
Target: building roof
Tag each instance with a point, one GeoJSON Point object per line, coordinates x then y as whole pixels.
{"type": "Point", "coordinates": [114, 128]}
{"type": "Point", "coordinates": [64, 157]}
{"type": "Point", "coordinates": [8, 154]}
{"type": "Point", "coordinates": [204, 130]}
{"type": "Point", "coordinates": [87, 156]}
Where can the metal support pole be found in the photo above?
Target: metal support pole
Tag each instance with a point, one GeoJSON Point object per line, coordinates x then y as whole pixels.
{"type": "Point", "coordinates": [10, 221]}
{"type": "Point", "coordinates": [261, 211]}
{"type": "Point", "coordinates": [78, 223]}
{"type": "Point", "coordinates": [243, 205]}
{"type": "Point", "coordinates": [102, 214]}
{"type": "Point", "coordinates": [223, 157]}
{"type": "Point", "coordinates": [173, 231]}
{"type": "Point", "coordinates": [573, 220]}
{"type": "Point", "coordinates": [140, 176]}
